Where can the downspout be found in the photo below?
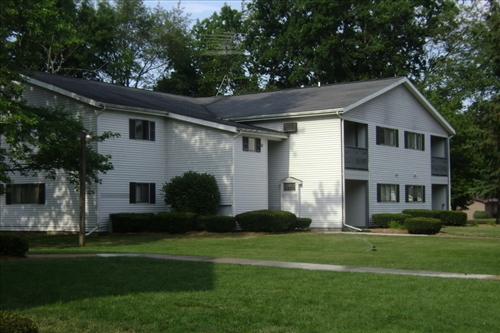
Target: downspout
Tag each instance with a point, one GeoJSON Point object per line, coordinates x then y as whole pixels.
{"type": "Point", "coordinates": [343, 173]}
{"type": "Point", "coordinates": [234, 178]}
{"type": "Point", "coordinates": [98, 185]}
{"type": "Point", "coordinates": [449, 172]}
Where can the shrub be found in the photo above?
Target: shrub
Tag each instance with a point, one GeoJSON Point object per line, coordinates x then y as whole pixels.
{"type": "Point", "coordinates": [13, 245]}
{"type": "Point", "coordinates": [266, 220]}
{"type": "Point", "coordinates": [422, 212]}
{"type": "Point", "coordinates": [453, 217]}
{"type": "Point", "coordinates": [480, 214]}
{"type": "Point", "coordinates": [130, 222]}
{"type": "Point", "coordinates": [302, 223]}
{"type": "Point", "coordinates": [396, 225]}
{"type": "Point", "coordinates": [173, 222]}
{"type": "Point", "coordinates": [383, 220]}
{"type": "Point", "coordinates": [216, 223]}
{"type": "Point", "coordinates": [192, 193]}
{"type": "Point", "coordinates": [423, 225]}
{"type": "Point", "coordinates": [15, 323]}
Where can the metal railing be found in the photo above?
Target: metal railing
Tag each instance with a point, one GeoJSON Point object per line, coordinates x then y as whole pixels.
{"type": "Point", "coordinates": [356, 158]}
{"type": "Point", "coordinates": [439, 166]}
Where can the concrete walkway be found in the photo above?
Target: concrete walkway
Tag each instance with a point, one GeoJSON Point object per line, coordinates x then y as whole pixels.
{"type": "Point", "coordinates": [281, 264]}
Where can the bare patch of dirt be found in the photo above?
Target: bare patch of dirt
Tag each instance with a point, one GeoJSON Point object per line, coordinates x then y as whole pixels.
{"type": "Point", "coordinates": [388, 231]}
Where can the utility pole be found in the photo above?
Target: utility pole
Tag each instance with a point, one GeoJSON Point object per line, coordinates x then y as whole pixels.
{"type": "Point", "coordinates": [84, 139]}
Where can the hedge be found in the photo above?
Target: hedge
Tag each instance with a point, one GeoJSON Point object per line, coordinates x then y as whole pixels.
{"type": "Point", "coordinates": [302, 223]}
{"type": "Point", "coordinates": [15, 323]}
{"type": "Point", "coordinates": [423, 225]}
{"type": "Point", "coordinates": [173, 222]}
{"type": "Point", "coordinates": [216, 223]}
{"type": "Point", "coordinates": [383, 220]}
{"type": "Point", "coordinates": [422, 212]}
{"type": "Point", "coordinates": [130, 222]}
{"type": "Point", "coordinates": [453, 218]}
{"type": "Point", "coordinates": [13, 245]}
{"type": "Point", "coordinates": [267, 220]}
{"type": "Point", "coordinates": [481, 214]}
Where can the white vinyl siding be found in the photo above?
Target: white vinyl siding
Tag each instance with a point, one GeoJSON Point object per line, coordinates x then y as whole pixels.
{"type": "Point", "coordinates": [201, 149]}
{"type": "Point", "coordinates": [314, 157]}
{"type": "Point", "coordinates": [250, 178]}
{"type": "Point", "coordinates": [134, 161]}
{"type": "Point", "coordinates": [61, 209]}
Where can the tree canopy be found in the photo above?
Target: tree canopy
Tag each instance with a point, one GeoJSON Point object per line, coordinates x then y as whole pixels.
{"type": "Point", "coordinates": [36, 139]}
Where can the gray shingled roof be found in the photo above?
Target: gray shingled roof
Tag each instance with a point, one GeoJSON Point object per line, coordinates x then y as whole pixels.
{"type": "Point", "coordinates": [295, 100]}
{"type": "Point", "coordinates": [130, 97]}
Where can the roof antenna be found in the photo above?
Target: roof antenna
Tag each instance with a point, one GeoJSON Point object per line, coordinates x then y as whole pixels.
{"type": "Point", "coordinates": [224, 44]}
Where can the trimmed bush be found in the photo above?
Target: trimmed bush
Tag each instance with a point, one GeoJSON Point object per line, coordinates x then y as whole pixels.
{"type": "Point", "coordinates": [192, 193]}
{"type": "Point", "coordinates": [302, 223]}
{"type": "Point", "coordinates": [173, 222]}
{"type": "Point", "coordinates": [422, 212]}
{"type": "Point", "coordinates": [383, 220]}
{"type": "Point", "coordinates": [15, 323]}
{"type": "Point", "coordinates": [216, 223]}
{"type": "Point", "coordinates": [266, 220]}
{"type": "Point", "coordinates": [130, 222]}
{"type": "Point", "coordinates": [481, 221]}
{"type": "Point", "coordinates": [480, 214]}
{"type": "Point", "coordinates": [423, 225]}
{"type": "Point", "coordinates": [453, 217]}
{"type": "Point", "coordinates": [13, 245]}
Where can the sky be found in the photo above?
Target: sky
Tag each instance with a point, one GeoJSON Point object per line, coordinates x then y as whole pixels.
{"type": "Point", "coordinates": [199, 9]}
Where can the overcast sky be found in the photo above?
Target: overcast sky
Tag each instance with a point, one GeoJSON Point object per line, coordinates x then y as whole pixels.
{"type": "Point", "coordinates": [199, 9]}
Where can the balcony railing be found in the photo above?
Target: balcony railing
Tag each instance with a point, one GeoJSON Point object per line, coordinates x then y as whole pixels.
{"type": "Point", "coordinates": [439, 166]}
{"type": "Point", "coordinates": [356, 158]}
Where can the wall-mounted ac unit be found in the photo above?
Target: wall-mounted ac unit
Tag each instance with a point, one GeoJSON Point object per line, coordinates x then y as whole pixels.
{"type": "Point", "coordinates": [289, 127]}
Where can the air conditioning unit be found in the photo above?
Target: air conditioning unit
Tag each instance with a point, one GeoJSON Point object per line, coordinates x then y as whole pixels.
{"type": "Point", "coordinates": [289, 127]}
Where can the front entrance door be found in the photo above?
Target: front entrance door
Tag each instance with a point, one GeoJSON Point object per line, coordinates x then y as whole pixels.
{"type": "Point", "coordinates": [356, 203]}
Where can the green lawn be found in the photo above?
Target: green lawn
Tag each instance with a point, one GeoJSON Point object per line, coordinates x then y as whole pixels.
{"type": "Point", "coordinates": [126, 294]}
{"type": "Point", "coordinates": [478, 255]}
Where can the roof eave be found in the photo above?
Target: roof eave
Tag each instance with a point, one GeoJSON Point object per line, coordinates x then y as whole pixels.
{"type": "Point", "coordinates": [288, 115]}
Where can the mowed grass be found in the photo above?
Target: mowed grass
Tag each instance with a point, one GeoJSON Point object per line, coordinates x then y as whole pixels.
{"type": "Point", "coordinates": [130, 294]}
{"type": "Point", "coordinates": [152, 295]}
{"type": "Point", "coordinates": [472, 255]}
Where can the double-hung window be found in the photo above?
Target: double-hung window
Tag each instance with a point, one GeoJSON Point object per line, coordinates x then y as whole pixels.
{"type": "Point", "coordinates": [387, 136]}
{"type": "Point", "coordinates": [414, 141]}
{"type": "Point", "coordinates": [415, 193]}
{"type": "Point", "coordinates": [251, 144]}
{"type": "Point", "coordinates": [387, 193]}
{"type": "Point", "coordinates": [142, 193]}
{"type": "Point", "coordinates": [140, 129]}
{"type": "Point", "coordinates": [25, 194]}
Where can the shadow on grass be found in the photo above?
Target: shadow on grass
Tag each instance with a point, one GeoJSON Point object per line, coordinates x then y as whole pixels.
{"type": "Point", "coordinates": [96, 242]}
{"type": "Point", "coordinates": [30, 283]}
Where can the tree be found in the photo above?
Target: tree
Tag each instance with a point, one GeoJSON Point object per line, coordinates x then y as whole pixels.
{"type": "Point", "coordinates": [302, 42]}
{"type": "Point", "coordinates": [35, 139]}
{"type": "Point", "coordinates": [139, 43]}
{"type": "Point", "coordinates": [463, 80]}
{"type": "Point", "coordinates": [215, 62]}
{"type": "Point", "coordinates": [486, 111]}
{"type": "Point", "coordinates": [192, 192]}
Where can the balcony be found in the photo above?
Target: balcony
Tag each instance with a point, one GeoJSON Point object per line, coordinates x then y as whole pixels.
{"type": "Point", "coordinates": [439, 166]}
{"type": "Point", "coordinates": [356, 158]}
